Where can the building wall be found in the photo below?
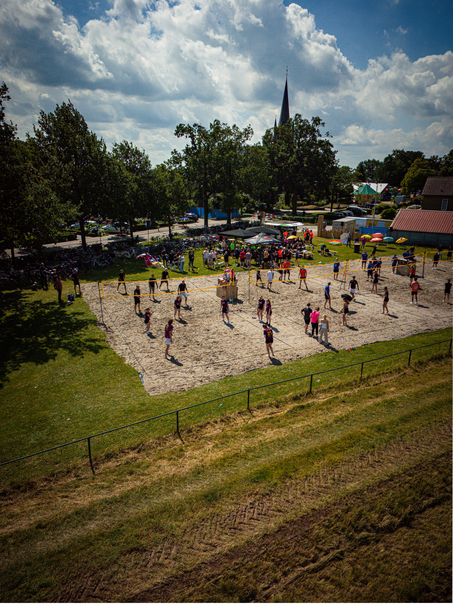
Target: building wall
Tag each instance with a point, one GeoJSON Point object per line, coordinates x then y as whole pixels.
{"type": "Point", "coordinates": [424, 239]}
{"type": "Point", "coordinates": [434, 202]}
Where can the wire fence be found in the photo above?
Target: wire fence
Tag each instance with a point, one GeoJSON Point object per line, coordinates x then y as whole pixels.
{"type": "Point", "coordinates": [354, 370]}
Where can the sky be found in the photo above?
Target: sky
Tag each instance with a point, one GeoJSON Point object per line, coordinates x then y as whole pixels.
{"type": "Point", "coordinates": [380, 75]}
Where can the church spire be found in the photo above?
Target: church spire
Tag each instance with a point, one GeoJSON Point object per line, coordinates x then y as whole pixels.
{"type": "Point", "coordinates": [284, 114]}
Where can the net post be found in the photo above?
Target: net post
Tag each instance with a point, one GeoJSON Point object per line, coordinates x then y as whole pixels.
{"type": "Point", "coordinates": [100, 303]}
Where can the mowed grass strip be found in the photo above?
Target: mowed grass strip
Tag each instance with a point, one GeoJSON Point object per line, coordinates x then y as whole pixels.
{"type": "Point", "coordinates": [169, 496]}
{"type": "Point", "coordinates": [60, 381]}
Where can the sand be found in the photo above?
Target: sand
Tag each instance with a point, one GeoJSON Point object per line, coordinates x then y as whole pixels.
{"type": "Point", "coordinates": [205, 349]}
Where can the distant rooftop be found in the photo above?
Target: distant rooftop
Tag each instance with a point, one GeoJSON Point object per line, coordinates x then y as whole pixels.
{"type": "Point", "coordinates": [438, 185]}
{"type": "Point", "coordinates": [424, 221]}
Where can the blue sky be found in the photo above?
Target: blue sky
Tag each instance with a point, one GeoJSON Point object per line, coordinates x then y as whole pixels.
{"type": "Point", "coordinates": [380, 75]}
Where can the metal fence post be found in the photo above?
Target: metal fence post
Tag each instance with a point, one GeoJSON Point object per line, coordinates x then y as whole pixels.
{"type": "Point", "coordinates": [409, 360]}
{"type": "Point", "coordinates": [311, 383]}
{"type": "Point", "coordinates": [361, 372]}
{"type": "Point", "coordinates": [89, 455]}
{"type": "Point", "coordinates": [177, 423]}
{"type": "Point", "coordinates": [248, 399]}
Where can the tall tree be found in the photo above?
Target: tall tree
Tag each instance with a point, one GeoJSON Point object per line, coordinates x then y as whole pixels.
{"type": "Point", "coordinates": [196, 160]}
{"type": "Point", "coordinates": [73, 159]}
{"type": "Point", "coordinates": [31, 214]}
{"type": "Point", "coordinates": [368, 170]}
{"type": "Point", "coordinates": [446, 165]}
{"type": "Point", "coordinates": [170, 191]}
{"type": "Point", "coordinates": [342, 182]}
{"type": "Point", "coordinates": [256, 174]}
{"type": "Point", "coordinates": [416, 176]}
{"type": "Point", "coordinates": [134, 183]}
{"type": "Point", "coordinates": [228, 158]}
{"type": "Point", "coordinates": [394, 167]}
{"type": "Point", "coordinates": [302, 157]}
{"type": "Point", "coordinates": [212, 162]}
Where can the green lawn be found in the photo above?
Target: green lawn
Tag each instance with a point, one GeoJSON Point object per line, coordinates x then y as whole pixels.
{"type": "Point", "coordinates": [136, 269]}
{"type": "Point", "coordinates": [60, 381]}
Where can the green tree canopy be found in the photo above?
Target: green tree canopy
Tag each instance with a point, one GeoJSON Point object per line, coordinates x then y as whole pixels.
{"type": "Point", "coordinates": [416, 176]}
{"type": "Point", "coordinates": [73, 160]}
{"type": "Point", "coordinates": [31, 213]}
{"type": "Point", "coordinates": [212, 162]}
{"type": "Point", "coordinates": [302, 158]}
{"type": "Point", "coordinates": [133, 194]}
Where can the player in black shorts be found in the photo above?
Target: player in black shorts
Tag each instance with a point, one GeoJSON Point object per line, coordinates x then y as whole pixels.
{"type": "Point", "coordinates": [152, 285]}
{"type": "Point", "coordinates": [307, 315]}
{"type": "Point", "coordinates": [164, 279]}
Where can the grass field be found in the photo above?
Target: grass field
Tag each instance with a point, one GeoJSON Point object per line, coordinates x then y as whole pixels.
{"type": "Point", "coordinates": [342, 495]}
{"type": "Point", "coordinates": [61, 382]}
{"type": "Point", "coordinates": [345, 496]}
{"type": "Point", "coordinates": [136, 270]}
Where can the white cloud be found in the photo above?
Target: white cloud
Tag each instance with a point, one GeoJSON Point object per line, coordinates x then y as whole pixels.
{"type": "Point", "coordinates": [146, 66]}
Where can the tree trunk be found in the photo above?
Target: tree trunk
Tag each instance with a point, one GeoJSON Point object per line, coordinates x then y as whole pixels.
{"type": "Point", "coordinates": [12, 253]}
{"type": "Point", "coordinates": [170, 234]}
{"type": "Point", "coordinates": [131, 227]}
{"type": "Point", "coordinates": [294, 204]}
{"type": "Point", "coordinates": [83, 235]}
{"type": "Point", "coordinates": [206, 212]}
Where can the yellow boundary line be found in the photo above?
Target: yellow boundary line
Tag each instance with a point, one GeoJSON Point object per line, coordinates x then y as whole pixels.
{"type": "Point", "coordinates": [158, 293]}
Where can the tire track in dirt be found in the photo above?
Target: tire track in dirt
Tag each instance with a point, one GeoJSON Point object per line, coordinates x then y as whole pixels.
{"type": "Point", "coordinates": [259, 514]}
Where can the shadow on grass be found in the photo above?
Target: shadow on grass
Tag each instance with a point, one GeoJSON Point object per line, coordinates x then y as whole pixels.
{"type": "Point", "coordinates": [34, 331]}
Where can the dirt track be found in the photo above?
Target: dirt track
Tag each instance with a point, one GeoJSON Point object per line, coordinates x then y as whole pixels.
{"type": "Point", "coordinates": [205, 349]}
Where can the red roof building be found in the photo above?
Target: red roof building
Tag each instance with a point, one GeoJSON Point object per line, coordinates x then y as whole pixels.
{"type": "Point", "coordinates": [424, 227]}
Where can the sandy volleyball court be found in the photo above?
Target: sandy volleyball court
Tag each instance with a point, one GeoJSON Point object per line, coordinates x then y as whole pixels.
{"type": "Point", "coordinates": [205, 349]}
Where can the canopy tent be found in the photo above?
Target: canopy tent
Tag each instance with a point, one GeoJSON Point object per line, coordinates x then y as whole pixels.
{"type": "Point", "coordinates": [365, 190]}
{"type": "Point", "coordinates": [261, 238]}
{"type": "Point", "coordinates": [263, 229]}
{"type": "Point", "coordinates": [236, 233]}
{"type": "Point", "coordinates": [377, 186]}
{"type": "Point", "coordinates": [285, 225]}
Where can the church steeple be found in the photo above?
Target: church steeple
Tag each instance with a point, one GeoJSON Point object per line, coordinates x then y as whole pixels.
{"type": "Point", "coordinates": [284, 114]}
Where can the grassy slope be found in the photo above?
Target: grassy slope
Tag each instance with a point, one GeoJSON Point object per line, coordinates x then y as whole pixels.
{"type": "Point", "coordinates": [344, 497]}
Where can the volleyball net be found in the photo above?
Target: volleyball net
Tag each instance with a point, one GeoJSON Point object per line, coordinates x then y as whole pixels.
{"type": "Point", "coordinates": [162, 287]}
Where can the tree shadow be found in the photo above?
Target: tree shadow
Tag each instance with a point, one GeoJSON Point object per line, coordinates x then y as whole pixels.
{"type": "Point", "coordinates": [37, 331]}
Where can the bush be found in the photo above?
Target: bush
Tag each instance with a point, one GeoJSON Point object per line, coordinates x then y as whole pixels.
{"type": "Point", "coordinates": [381, 207]}
{"type": "Point", "coordinates": [389, 213]}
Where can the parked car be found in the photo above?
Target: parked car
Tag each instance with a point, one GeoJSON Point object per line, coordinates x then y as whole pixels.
{"type": "Point", "coordinates": [357, 211]}
{"type": "Point", "coordinates": [348, 213]}
{"type": "Point", "coordinates": [336, 215]}
{"type": "Point", "coordinates": [191, 217]}
{"type": "Point", "coordinates": [370, 205]}
{"type": "Point", "coordinates": [112, 229]}
{"type": "Point", "coordinates": [183, 220]}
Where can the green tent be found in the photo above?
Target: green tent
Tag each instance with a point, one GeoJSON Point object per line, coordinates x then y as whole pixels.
{"type": "Point", "coordinates": [365, 190]}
